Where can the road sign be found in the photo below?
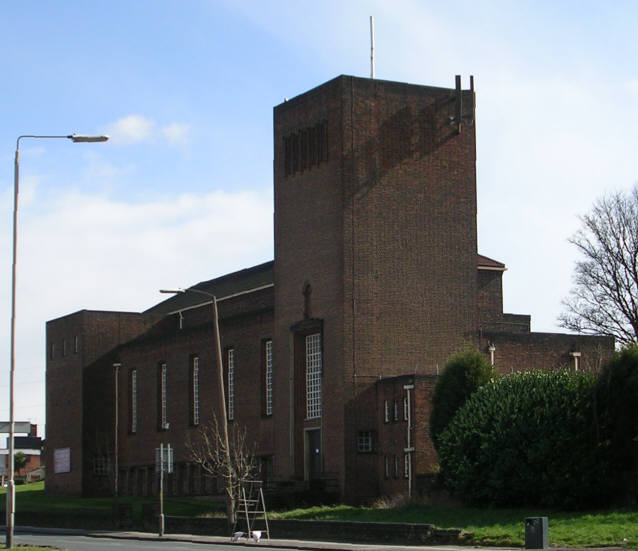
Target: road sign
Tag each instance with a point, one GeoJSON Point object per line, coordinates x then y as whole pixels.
{"type": "Point", "coordinates": [19, 427]}
{"type": "Point", "coordinates": [163, 464]}
{"type": "Point", "coordinates": [164, 459]}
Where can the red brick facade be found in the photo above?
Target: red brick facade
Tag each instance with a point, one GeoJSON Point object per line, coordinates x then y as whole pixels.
{"type": "Point", "coordinates": [74, 342]}
{"type": "Point", "coordinates": [375, 283]}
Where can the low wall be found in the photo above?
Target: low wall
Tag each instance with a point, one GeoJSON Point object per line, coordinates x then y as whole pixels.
{"type": "Point", "coordinates": [63, 520]}
{"type": "Point", "coordinates": [328, 530]}
{"type": "Point", "coordinates": [317, 530]}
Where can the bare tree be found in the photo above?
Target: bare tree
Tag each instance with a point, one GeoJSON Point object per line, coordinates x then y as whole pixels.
{"type": "Point", "coordinates": [604, 299]}
{"type": "Point", "coordinates": [208, 450]}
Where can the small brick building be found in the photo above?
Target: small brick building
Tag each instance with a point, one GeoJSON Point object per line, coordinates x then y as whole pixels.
{"type": "Point", "coordinates": [331, 351]}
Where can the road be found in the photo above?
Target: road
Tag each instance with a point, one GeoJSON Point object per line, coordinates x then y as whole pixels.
{"type": "Point", "coordinates": [81, 540]}
{"type": "Point", "coordinates": [84, 543]}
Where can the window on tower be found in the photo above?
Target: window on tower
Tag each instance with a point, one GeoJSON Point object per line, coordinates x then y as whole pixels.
{"type": "Point", "coordinates": [305, 148]}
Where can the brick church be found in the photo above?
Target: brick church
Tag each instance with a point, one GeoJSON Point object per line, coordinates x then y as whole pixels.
{"type": "Point", "coordinates": [330, 351]}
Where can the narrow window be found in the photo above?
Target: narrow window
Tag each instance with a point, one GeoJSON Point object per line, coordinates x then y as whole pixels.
{"type": "Point", "coordinates": [163, 420]}
{"type": "Point", "coordinates": [52, 350]}
{"type": "Point", "coordinates": [231, 384]}
{"type": "Point", "coordinates": [323, 141]}
{"type": "Point", "coordinates": [133, 401]}
{"type": "Point", "coordinates": [76, 344]}
{"type": "Point", "coordinates": [295, 153]}
{"type": "Point", "coordinates": [396, 410]}
{"type": "Point", "coordinates": [63, 347]}
{"type": "Point", "coordinates": [268, 361]}
{"type": "Point", "coordinates": [288, 156]}
{"type": "Point", "coordinates": [396, 466]}
{"type": "Point", "coordinates": [303, 137]}
{"type": "Point", "coordinates": [406, 465]}
{"type": "Point", "coordinates": [313, 376]}
{"type": "Point", "coordinates": [364, 441]}
{"type": "Point", "coordinates": [387, 466]}
{"type": "Point", "coordinates": [405, 408]}
{"type": "Point", "coordinates": [195, 391]}
{"type": "Point", "coordinates": [101, 466]}
{"type": "Point", "coordinates": [314, 149]}
{"type": "Point", "coordinates": [386, 410]}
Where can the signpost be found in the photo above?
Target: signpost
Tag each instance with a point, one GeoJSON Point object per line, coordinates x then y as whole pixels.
{"type": "Point", "coordinates": [5, 427]}
{"type": "Point", "coordinates": [163, 464]}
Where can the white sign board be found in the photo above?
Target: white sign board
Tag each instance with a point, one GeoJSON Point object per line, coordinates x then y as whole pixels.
{"type": "Point", "coordinates": [19, 427]}
{"type": "Point", "coordinates": [164, 459]}
{"type": "Point", "coordinates": [62, 460]}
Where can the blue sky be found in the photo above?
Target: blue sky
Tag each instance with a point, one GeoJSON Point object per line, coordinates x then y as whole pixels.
{"type": "Point", "coordinates": [183, 191]}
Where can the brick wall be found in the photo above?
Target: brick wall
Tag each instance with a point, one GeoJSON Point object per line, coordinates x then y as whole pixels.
{"type": "Point", "coordinates": [426, 460]}
{"type": "Point", "coordinates": [240, 329]}
{"type": "Point", "coordinates": [73, 342]}
{"type": "Point", "coordinates": [393, 431]}
{"type": "Point", "coordinates": [409, 227]}
{"type": "Point", "coordinates": [384, 232]}
{"type": "Point", "coordinates": [309, 251]}
{"type": "Point", "coordinates": [528, 351]}
{"type": "Point", "coordinates": [490, 295]}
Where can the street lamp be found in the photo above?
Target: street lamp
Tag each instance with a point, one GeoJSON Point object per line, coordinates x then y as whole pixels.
{"type": "Point", "coordinates": [76, 138]}
{"type": "Point", "coordinates": [230, 510]}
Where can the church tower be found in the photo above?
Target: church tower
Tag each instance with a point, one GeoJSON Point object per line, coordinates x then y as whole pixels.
{"type": "Point", "coordinates": [375, 258]}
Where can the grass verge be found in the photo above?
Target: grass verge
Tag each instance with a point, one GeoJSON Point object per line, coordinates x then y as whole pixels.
{"type": "Point", "coordinates": [31, 497]}
{"type": "Point", "coordinates": [496, 526]}
{"type": "Point", "coordinates": [489, 526]}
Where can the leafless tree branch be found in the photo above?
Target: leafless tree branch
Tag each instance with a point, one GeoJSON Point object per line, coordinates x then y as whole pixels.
{"type": "Point", "coordinates": [604, 298]}
{"type": "Point", "coordinates": [208, 450]}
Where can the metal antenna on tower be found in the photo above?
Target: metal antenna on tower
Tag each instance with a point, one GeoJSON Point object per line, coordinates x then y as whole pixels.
{"type": "Point", "coordinates": [371, 47]}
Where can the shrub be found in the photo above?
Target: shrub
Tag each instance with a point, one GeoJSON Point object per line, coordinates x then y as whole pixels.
{"type": "Point", "coordinates": [616, 394]}
{"type": "Point", "coordinates": [461, 376]}
{"type": "Point", "coordinates": [526, 440]}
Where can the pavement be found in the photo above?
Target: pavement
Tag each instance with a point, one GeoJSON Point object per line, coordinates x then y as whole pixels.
{"type": "Point", "coordinates": [279, 543]}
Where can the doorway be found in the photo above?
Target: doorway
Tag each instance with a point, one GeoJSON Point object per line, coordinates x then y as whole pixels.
{"type": "Point", "coordinates": [313, 454]}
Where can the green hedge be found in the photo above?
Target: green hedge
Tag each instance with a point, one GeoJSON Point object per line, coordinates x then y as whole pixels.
{"type": "Point", "coordinates": [461, 376]}
{"type": "Point", "coordinates": [526, 440]}
{"type": "Point", "coordinates": [617, 408]}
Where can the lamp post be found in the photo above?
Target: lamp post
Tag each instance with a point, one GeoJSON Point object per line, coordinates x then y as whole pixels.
{"type": "Point", "coordinates": [230, 509]}
{"type": "Point", "coordinates": [76, 138]}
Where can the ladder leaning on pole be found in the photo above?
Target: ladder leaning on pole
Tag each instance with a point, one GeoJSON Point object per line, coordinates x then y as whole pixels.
{"type": "Point", "coordinates": [253, 508]}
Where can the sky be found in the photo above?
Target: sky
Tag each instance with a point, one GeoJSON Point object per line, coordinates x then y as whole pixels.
{"type": "Point", "coordinates": [182, 192]}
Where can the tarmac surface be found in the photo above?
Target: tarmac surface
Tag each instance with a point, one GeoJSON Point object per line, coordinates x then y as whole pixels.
{"type": "Point", "coordinates": [280, 543]}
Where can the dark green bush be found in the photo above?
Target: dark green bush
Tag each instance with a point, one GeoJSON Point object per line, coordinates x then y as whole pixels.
{"type": "Point", "coordinates": [461, 376]}
{"type": "Point", "coordinates": [526, 440]}
{"type": "Point", "coordinates": [617, 406]}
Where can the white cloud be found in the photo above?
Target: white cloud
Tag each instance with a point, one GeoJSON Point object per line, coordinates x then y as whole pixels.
{"type": "Point", "coordinates": [137, 129]}
{"type": "Point", "coordinates": [131, 129]}
{"type": "Point", "coordinates": [176, 133]}
{"type": "Point", "coordinates": [88, 251]}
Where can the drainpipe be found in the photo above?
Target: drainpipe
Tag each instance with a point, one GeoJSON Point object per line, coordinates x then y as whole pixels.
{"type": "Point", "coordinates": [116, 466]}
{"type": "Point", "coordinates": [409, 448]}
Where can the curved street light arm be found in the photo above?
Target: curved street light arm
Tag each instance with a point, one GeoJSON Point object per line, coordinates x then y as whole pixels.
{"type": "Point", "coordinates": [10, 498]}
